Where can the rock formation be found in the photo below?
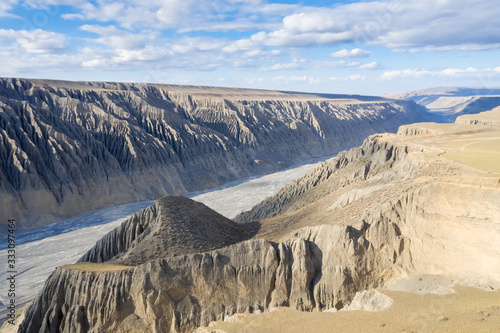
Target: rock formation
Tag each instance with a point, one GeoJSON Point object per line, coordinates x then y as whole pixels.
{"type": "Point", "coordinates": [447, 103]}
{"type": "Point", "coordinates": [487, 118]}
{"type": "Point", "coordinates": [70, 147]}
{"type": "Point", "coordinates": [174, 225]}
{"type": "Point", "coordinates": [400, 204]}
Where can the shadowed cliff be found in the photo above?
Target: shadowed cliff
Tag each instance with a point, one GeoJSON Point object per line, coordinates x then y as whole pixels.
{"type": "Point", "coordinates": [69, 147]}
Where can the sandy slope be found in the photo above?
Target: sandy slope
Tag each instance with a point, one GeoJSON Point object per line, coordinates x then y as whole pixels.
{"type": "Point", "coordinates": [467, 310]}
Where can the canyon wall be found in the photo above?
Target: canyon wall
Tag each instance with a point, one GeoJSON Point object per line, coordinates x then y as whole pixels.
{"type": "Point", "coordinates": [396, 206]}
{"type": "Point", "coordinates": [70, 147]}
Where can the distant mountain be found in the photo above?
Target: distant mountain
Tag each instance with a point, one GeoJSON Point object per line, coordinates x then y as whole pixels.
{"type": "Point", "coordinates": [69, 147]}
{"type": "Point", "coordinates": [450, 102]}
{"type": "Point", "coordinates": [445, 91]}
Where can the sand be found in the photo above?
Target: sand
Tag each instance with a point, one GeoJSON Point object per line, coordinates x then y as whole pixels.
{"type": "Point", "coordinates": [473, 145]}
{"type": "Point", "coordinates": [95, 267]}
{"type": "Point", "coordinates": [467, 310]}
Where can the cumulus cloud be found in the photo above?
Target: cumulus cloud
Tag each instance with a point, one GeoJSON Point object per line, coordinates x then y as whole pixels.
{"type": "Point", "coordinates": [119, 39]}
{"type": "Point", "coordinates": [395, 24]}
{"type": "Point", "coordinates": [187, 44]}
{"type": "Point", "coordinates": [184, 15]}
{"type": "Point", "coordinates": [34, 41]}
{"type": "Point", "coordinates": [6, 6]}
{"type": "Point", "coordinates": [286, 38]}
{"type": "Point", "coordinates": [354, 53]}
{"type": "Point", "coordinates": [263, 36]}
{"type": "Point", "coordinates": [371, 65]}
{"type": "Point", "coordinates": [293, 64]}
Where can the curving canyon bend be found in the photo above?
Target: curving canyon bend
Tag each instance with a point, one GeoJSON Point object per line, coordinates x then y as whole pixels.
{"type": "Point", "coordinates": [167, 208]}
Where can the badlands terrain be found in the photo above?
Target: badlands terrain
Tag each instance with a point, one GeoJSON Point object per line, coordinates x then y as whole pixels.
{"type": "Point", "coordinates": [417, 211]}
{"type": "Point", "coordinates": [73, 147]}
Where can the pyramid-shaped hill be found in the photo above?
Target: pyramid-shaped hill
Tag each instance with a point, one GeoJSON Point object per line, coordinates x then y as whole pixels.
{"type": "Point", "coordinates": [173, 225]}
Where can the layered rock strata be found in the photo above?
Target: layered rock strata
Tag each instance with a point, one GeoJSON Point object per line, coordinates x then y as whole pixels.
{"type": "Point", "coordinates": [398, 205]}
{"type": "Point", "coordinates": [70, 147]}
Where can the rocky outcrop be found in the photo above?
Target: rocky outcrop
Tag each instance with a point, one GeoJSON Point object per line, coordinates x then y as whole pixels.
{"type": "Point", "coordinates": [391, 208]}
{"type": "Point", "coordinates": [173, 225]}
{"type": "Point", "coordinates": [70, 147]}
{"type": "Point", "coordinates": [374, 157]}
{"type": "Point", "coordinates": [487, 118]}
{"type": "Point", "coordinates": [178, 294]}
{"type": "Point", "coordinates": [445, 211]}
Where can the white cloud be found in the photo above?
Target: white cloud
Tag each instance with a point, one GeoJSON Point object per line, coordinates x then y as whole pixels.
{"type": "Point", "coordinates": [172, 12]}
{"type": "Point", "coordinates": [185, 15]}
{"type": "Point", "coordinates": [45, 4]}
{"type": "Point", "coordinates": [353, 77]}
{"type": "Point", "coordinates": [94, 63]}
{"type": "Point", "coordinates": [395, 24]}
{"type": "Point", "coordinates": [119, 39]}
{"type": "Point", "coordinates": [295, 78]}
{"type": "Point", "coordinates": [186, 44]}
{"type": "Point", "coordinates": [256, 80]}
{"type": "Point", "coordinates": [238, 25]}
{"type": "Point", "coordinates": [448, 72]}
{"type": "Point", "coordinates": [357, 77]}
{"type": "Point", "coordinates": [35, 41]}
{"type": "Point", "coordinates": [286, 38]}
{"type": "Point", "coordinates": [276, 67]}
{"type": "Point", "coordinates": [463, 47]}
{"type": "Point", "coordinates": [371, 65]}
{"type": "Point", "coordinates": [241, 45]}
{"type": "Point", "coordinates": [143, 55]}
{"type": "Point", "coordinates": [397, 74]}
{"type": "Point", "coordinates": [129, 14]}
{"type": "Point", "coordinates": [354, 53]}
{"type": "Point", "coordinates": [282, 66]}
{"type": "Point", "coordinates": [336, 64]}
{"type": "Point", "coordinates": [6, 6]}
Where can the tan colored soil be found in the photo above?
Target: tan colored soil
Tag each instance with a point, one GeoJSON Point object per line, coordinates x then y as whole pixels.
{"type": "Point", "coordinates": [467, 310]}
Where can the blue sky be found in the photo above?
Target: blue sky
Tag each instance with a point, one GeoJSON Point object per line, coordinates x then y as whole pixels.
{"type": "Point", "coordinates": [362, 47]}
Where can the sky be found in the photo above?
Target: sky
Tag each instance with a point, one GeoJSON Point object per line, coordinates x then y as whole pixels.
{"type": "Point", "coordinates": [357, 47]}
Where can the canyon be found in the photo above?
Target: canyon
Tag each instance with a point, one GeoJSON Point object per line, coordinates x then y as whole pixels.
{"type": "Point", "coordinates": [71, 147]}
{"type": "Point", "coordinates": [424, 201]}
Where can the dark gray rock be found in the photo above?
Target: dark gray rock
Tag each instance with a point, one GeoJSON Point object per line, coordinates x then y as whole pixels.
{"type": "Point", "coordinates": [70, 147]}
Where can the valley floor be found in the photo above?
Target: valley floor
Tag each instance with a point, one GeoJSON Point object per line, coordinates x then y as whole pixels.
{"type": "Point", "coordinates": [466, 310]}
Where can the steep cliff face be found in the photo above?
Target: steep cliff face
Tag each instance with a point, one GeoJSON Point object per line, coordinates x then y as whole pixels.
{"type": "Point", "coordinates": [396, 206]}
{"type": "Point", "coordinates": [178, 294]}
{"type": "Point", "coordinates": [69, 147]}
{"type": "Point", "coordinates": [440, 190]}
{"type": "Point", "coordinates": [376, 156]}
